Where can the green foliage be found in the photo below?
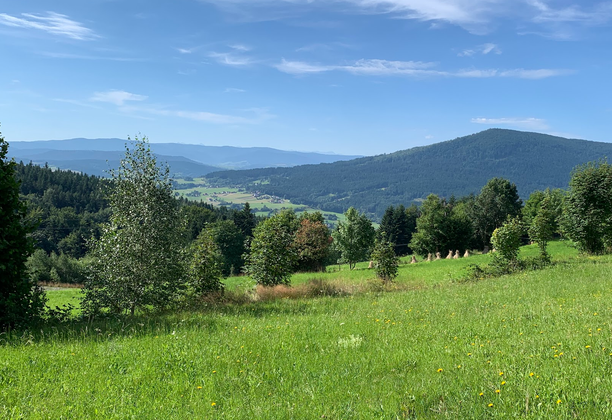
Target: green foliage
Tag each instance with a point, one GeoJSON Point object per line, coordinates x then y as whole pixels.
{"type": "Point", "coordinates": [588, 207]}
{"type": "Point", "coordinates": [555, 199]}
{"type": "Point", "coordinates": [272, 257]}
{"type": "Point", "coordinates": [354, 237]}
{"type": "Point", "coordinates": [397, 226]}
{"type": "Point", "coordinates": [386, 262]}
{"type": "Point", "coordinates": [137, 262]}
{"type": "Point", "coordinates": [229, 240]}
{"type": "Point", "coordinates": [245, 220]}
{"type": "Point", "coordinates": [21, 300]}
{"type": "Point", "coordinates": [506, 241]}
{"type": "Point", "coordinates": [441, 227]}
{"type": "Point", "coordinates": [497, 201]}
{"type": "Point", "coordinates": [312, 242]}
{"type": "Point", "coordinates": [207, 265]}
{"type": "Point", "coordinates": [65, 269]}
{"type": "Point", "coordinates": [542, 226]}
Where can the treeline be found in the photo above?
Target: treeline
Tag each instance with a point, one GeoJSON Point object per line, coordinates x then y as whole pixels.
{"type": "Point", "coordinates": [460, 167]}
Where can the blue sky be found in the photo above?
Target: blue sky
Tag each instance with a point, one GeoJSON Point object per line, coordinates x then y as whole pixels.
{"type": "Point", "coordinates": [344, 76]}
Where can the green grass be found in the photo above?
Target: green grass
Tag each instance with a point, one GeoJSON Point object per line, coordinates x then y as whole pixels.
{"type": "Point", "coordinates": [429, 352]}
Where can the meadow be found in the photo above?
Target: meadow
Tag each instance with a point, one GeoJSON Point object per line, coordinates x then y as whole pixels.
{"type": "Point", "coordinates": [536, 344]}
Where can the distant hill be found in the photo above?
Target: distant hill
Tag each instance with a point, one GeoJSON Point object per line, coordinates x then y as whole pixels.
{"type": "Point", "coordinates": [213, 156]}
{"type": "Point", "coordinates": [456, 167]}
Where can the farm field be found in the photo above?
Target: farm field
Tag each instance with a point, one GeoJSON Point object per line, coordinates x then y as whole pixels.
{"type": "Point", "coordinates": [532, 345]}
{"type": "Point", "coordinates": [262, 205]}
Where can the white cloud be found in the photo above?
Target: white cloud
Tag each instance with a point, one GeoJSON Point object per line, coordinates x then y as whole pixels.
{"type": "Point", "coordinates": [230, 59]}
{"type": "Point", "coordinates": [117, 97]}
{"type": "Point", "coordinates": [258, 115]}
{"type": "Point", "coordinates": [476, 16]}
{"type": "Point", "coordinates": [527, 123]}
{"type": "Point", "coordinates": [185, 50]}
{"type": "Point", "coordinates": [88, 57]}
{"type": "Point", "coordinates": [376, 67]}
{"type": "Point", "coordinates": [483, 49]}
{"type": "Point", "coordinates": [52, 23]}
{"type": "Point", "coordinates": [240, 47]}
{"type": "Point", "coordinates": [234, 90]}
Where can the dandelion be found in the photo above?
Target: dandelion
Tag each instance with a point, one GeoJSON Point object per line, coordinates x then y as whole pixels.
{"type": "Point", "coordinates": [469, 354]}
{"type": "Point", "coordinates": [503, 383]}
{"type": "Point", "coordinates": [490, 405]}
{"type": "Point", "coordinates": [501, 373]}
{"type": "Point", "coordinates": [481, 394]}
{"type": "Point", "coordinates": [558, 401]}
{"type": "Point", "coordinates": [212, 404]}
{"type": "Point", "coordinates": [458, 366]}
{"type": "Point", "coordinates": [497, 391]}
{"type": "Point", "coordinates": [531, 374]}
{"type": "Point", "coordinates": [199, 387]}
{"type": "Point", "coordinates": [440, 370]}
{"type": "Point", "coordinates": [587, 347]}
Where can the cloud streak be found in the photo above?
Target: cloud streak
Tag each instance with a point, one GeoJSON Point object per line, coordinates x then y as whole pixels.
{"type": "Point", "coordinates": [117, 97]}
{"type": "Point", "coordinates": [376, 67]}
{"type": "Point", "coordinates": [527, 123]}
{"type": "Point", "coordinates": [483, 49]}
{"type": "Point", "coordinates": [51, 22]}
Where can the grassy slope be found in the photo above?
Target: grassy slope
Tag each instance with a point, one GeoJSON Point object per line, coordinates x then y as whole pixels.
{"type": "Point", "coordinates": [424, 353]}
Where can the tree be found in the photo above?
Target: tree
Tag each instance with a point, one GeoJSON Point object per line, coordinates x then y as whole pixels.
{"type": "Point", "coordinates": [206, 266]}
{"type": "Point", "coordinates": [497, 200]}
{"type": "Point", "coordinates": [588, 207]}
{"type": "Point", "coordinates": [312, 242]}
{"type": "Point", "coordinates": [542, 227]}
{"type": "Point", "coordinates": [354, 237]}
{"type": "Point", "coordinates": [506, 240]}
{"type": "Point", "coordinates": [397, 226]}
{"type": "Point", "coordinates": [138, 260]}
{"type": "Point", "coordinates": [245, 220]}
{"type": "Point", "coordinates": [21, 300]}
{"type": "Point", "coordinates": [385, 261]}
{"type": "Point", "coordinates": [230, 242]}
{"type": "Point", "coordinates": [272, 257]}
{"type": "Point", "coordinates": [554, 205]}
{"type": "Point", "coordinates": [441, 227]}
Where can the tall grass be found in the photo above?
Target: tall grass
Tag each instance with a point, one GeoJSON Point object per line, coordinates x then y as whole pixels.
{"type": "Point", "coordinates": [531, 345]}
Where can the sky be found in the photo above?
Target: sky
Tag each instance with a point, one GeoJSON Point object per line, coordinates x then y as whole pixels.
{"type": "Point", "coordinates": [343, 76]}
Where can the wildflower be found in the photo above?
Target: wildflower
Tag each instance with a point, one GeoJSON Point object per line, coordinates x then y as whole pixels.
{"type": "Point", "coordinates": [440, 370]}
{"type": "Point", "coordinates": [501, 373]}
{"type": "Point", "coordinates": [587, 347]}
{"type": "Point", "coordinates": [503, 383]}
{"type": "Point", "coordinates": [469, 354]}
{"type": "Point", "coordinates": [199, 387]}
{"type": "Point", "coordinates": [497, 391]}
{"type": "Point", "coordinates": [458, 366]}
{"type": "Point", "coordinates": [531, 374]}
{"type": "Point", "coordinates": [212, 404]}
{"type": "Point", "coordinates": [558, 401]}
{"type": "Point", "coordinates": [481, 394]}
{"type": "Point", "coordinates": [490, 405]}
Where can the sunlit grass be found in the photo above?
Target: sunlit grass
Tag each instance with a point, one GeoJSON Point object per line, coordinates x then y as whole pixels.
{"type": "Point", "coordinates": [532, 345]}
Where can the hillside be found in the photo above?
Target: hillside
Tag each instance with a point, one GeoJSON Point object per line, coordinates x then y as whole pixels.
{"type": "Point", "coordinates": [57, 152]}
{"type": "Point", "coordinates": [462, 166]}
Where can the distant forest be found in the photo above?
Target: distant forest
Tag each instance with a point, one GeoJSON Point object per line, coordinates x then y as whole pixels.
{"type": "Point", "coordinates": [457, 167]}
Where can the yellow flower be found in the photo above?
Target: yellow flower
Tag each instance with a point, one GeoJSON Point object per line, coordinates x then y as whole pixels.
{"type": "Point", "coordinates": [531, 374]}
{"type": "Point", "coordinates": [501, 373]}
{"type": "Point", "coordinates": [458, 366]}
{"type": "Point", "coordinates": [587, 347]}
{"type": "Point", "coordinates": [497, 391]}
{"type": "Point", "coordinates": [212, 404]}
{"type": "Point", "coordinates": [440, 370]}
{"type": "Point", "coordinates": [503, 383]}
{"type": "Point", "coordinates": [558, 401]}
{"type": "Point", "coordinates": [199, 387]}
{"type": "Point", "coordinates": [481, 394]}
{"type": "Point", "coordinates": [490, 405]}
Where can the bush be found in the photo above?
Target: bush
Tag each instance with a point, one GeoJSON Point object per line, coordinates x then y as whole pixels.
{"type": "Point", "coordinates": [385, 260]}
{"type": "Point", "coordinates": [506, 241]}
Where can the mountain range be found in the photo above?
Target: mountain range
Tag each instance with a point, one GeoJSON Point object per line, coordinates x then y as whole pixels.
{"type": "Point", "coordinates": [97, 156]}
{"type": "Point", "coordinates": [459, 167]}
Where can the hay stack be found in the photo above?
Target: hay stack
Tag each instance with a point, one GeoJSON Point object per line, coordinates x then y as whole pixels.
{"type": "Point", "coordinates": [413, 260]}
{"type": "Point", "coordinates": [450, 255]}
{"type": "Point", "coordinates": [456, 255]}
{"type": "Point", "coordinates": [467, 254]}
{"type": "Point", "coordinates": [438, 256]}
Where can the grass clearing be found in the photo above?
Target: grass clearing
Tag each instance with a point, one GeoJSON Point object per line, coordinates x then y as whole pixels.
{"type": "Point", "coordinates": [531, 345]}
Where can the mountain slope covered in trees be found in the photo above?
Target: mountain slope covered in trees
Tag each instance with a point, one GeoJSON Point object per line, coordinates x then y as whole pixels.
{"type": "Point", "coordinates": [457, 167]}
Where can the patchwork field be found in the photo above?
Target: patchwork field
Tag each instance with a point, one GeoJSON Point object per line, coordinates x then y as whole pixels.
{"type": "Point", "coordinates": [531, 345]}
{"type": "Point", "coordinates": [261, 205]}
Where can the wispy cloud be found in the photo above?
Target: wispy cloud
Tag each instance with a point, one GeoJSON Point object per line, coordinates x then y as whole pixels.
{"type": "Point", "coordinates": [258, 115]}
{"type": "Point", "coordinates": [483, 49]}
{"type": "Point", "coordinates": [476, 16]}
{"type": "Point", "coordinates": [234, 90]}
{"type": "Point", "coordinates": [230, 59]}
{"type": "Point", "coordinates": [87, 57]}
{"type": "Point", "coordinates": [527, 123]}
{"type": "Point", "coordinates": [51, 22]}
{"type": "Point", "coordinates": [375, 67]}
{"type": "Point", "coordinates": [117, 97]}
{"type": "Point", "coordinates": [240, 47]}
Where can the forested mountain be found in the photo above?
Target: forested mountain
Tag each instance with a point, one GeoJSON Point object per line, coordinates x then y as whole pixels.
{"type": "Point", "coordinates": [457, 167]}
{"type": "Point", "coordinates": [77, 154]}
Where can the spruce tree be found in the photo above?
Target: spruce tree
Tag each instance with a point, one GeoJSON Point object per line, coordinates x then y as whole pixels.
{"type": "Point", "coordinates": [21, 300]}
